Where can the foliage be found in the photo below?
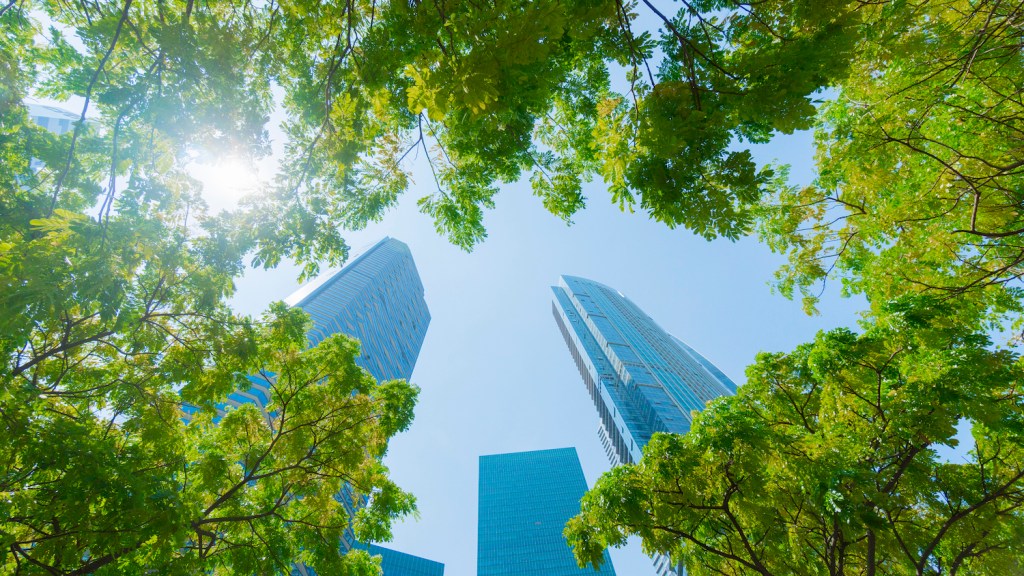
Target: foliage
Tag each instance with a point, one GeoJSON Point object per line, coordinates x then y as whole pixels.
{"type": "Point", "coordinates": [508, 88]}
{"type": "Point", "coordinates": [920, 162]}
{"type": "Point", "coordinates": [102, 476]}
{"type": "Point", "coordinates": [825, 462]}
{"type": "Point", "coordinates": [485, 92]}
{"type": "Point", "coordinates": [918, 144]}
{"type": "Point", "coordinates": [113, 277]}
{"type": "Point", "coordinates": [113, 282]}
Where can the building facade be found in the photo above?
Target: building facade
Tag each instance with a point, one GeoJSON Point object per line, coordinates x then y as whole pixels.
{"type": "Point", "coordinates": [525, 500]}
{"type": "Point", "coordinates": [395, 563]}
{"type": "Point", "coordinates": [378, 299]}
{"type": "Point", "coordinates": [641, 378]}
{"type": "Point", "coordinates": [56, 120]}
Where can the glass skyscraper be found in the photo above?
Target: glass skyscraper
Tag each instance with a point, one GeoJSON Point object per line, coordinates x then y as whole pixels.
{"type": "Point", "coordinates": [376, 298]}
{"type": "Point", "coordinates": [641, 378]}
{"type": "Point", "coordinates": [525, 500]}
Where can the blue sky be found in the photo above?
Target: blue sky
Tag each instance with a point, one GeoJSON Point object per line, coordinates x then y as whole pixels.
{"type": "Point", "coordinates": [494, 371]}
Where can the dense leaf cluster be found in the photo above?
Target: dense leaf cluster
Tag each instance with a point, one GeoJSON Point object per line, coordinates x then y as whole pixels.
{"type": "Point", "coordinates": [108, 322]}
{"type": "Point", "coordinates": [485, 92]}
{"type": "Point", "coordinates": [920, 162]}
{"type": "Point", "coordinates": [113, 287]}
{"type": "Point", "coordinates": [826, 462]}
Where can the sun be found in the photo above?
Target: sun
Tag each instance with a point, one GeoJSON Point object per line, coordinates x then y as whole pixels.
{"type": "Point", "coordinates": [225, 181]}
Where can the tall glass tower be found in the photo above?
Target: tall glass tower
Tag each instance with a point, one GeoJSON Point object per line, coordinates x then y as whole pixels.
{"type": "Point", "coordinates": [376, 298]}
{"type": "Point", "coordinates": [525, 500]}
{"type": "Point", "coordinates": [641, 378]}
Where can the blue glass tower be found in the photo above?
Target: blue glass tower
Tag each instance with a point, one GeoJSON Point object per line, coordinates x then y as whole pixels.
{"type": "Point", "coordinates": [376, 298]}
{"type": "Point", "coordinates": [641, 378]}
{"type": "Point", "coordinates": [525, 500]}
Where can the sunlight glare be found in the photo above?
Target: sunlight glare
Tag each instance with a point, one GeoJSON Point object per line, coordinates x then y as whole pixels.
{"type": "Point", "coordinates": [226, 181]}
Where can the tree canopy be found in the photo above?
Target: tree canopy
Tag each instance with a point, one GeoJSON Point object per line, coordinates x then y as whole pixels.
{"type": "Point", "coordinates": [916, 107]}
{"type": "Point", "coordinates": [920, 162]}
{"type": "Point", "coordinates": [825, 462]}
{"type": "Point", "coordinates": [486, 92]}
{"type": "Point", "coordinates": [113, 286]}
{"type": "Point", "coordinates": [101, 475]}
{"type": "Point", "coordinates": [113, 276]}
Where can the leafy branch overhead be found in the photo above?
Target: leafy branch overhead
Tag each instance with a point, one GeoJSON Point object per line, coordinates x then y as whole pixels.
{"type": "Point", "coordinates": [485, 92]}
{"type": "Point", "coordinates": [826, 462]}
{"type": "Point", "coordinates": [109, 321]}
{"type": "Point", "coordinates": [100, 473]}
{"type": "Point", "coordinates": [920, 162]}
{"type": "Point", "coordinates": [918, 137]}
{"type": "Point", "coordinates": [490, 92]}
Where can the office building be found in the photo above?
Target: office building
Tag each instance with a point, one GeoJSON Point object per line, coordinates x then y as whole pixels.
{"type": "Point", "coordinates": [395, 563]}
{"type": "Point", "coordinates": [376, 298]}
{"type": "Point", "coordinates": [56, 120]}
{"type": "Point", "coordinates": [641, 378]}
{"type": "Point", "coordinates": [525, 500]}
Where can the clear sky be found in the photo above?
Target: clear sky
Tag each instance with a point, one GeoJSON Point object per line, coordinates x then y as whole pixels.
{"type": "Point", "coordinates": [494, 371]}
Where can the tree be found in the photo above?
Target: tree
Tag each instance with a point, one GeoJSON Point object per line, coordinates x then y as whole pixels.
{"type": "Point", "coordinates": [368, 85]}
{"type": "Point", "coordinates": [918, 150]}
{"type": "Point", "coordinates": [490, 92]}
{"type": "Point", "coordinates": [113, 313]}
{"type": "Point", "coordinates": [101, 476]}
{"type": "Point", "coordinates": [825, 462]}
{"type": "Point", "coordinates": [113, 287]}
{"type": "Point", "coordinates": [920, 162]}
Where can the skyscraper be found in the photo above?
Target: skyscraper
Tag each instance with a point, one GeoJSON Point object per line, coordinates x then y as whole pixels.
{"type": "Point", "coordinates": [641, 378]}
{"type": "Point", "coordinates": [525, 500]}
{"type": "Point", "coordinates": [376, 298]}
{"type": "Point", "coordinates": [56, 120]}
